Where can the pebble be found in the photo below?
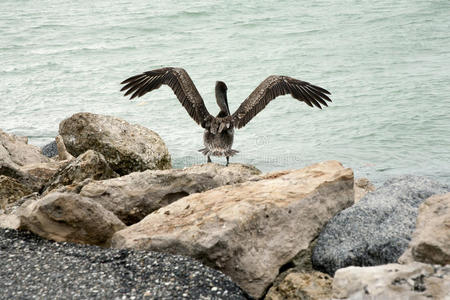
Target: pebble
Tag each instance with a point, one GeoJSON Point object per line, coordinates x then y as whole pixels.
{"type": "Point", "coordinates": [34, 268]}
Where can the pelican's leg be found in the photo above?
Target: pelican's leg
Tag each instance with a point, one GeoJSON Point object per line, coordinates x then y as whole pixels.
{"type": "Point", "coordinates": [228, 160]}
{"type": "Point", "coordinates": [209, 159]}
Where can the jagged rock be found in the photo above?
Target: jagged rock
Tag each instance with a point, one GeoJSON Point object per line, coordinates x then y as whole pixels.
{"type": "Point", "coordinates": [305, 285]}
{"type": "Point", "coordinates": [63, 154]}
{"type": "Point", "coordinates": [90, 164]}
{"type": "Point", "coordinates": [9, 221]}
{"type": "Point", "coordinates": [362, 187]}
{"type": "Point", "coordinates": [127, 148]}
{"type": "Point", "coordinates": [57, 148]}
{"type": "Point", "coordinates": [43, 172]}
{"type": "Point", "coordinates": [377, 229]}
{"type": "Point", "coordinates": [134, 196]}
{"type": "Point", "coordinates": [11, 190]}
{"type": "Point", "coordinates": [247, 230]}
{"type": "Point", "coordinates": [431, 240]}
{"type": "Point", "coordinates": [69, 217]}
{"type": "Point", "coordinates": [11, 208]}
{"type": "Point", "coordinates": [8, 215]}
{"type": "Point", "coordinates": [25, 179]}
{"type": "Point", "coordinates": [15, 150]}
{"type": "Point", "coordinates": [15, 158]}
{"type": "Point", "coordinates": [392, 281]}
{"type": "Point", "coordinates": [301, 263]}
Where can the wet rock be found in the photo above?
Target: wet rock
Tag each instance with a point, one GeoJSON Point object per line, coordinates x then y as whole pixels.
{"type": "Point", "coordinates": [304, 285]}
{"type": "Point", "coordinates": [90, 164]}
{"type": "Point", "coordinates": [392, 281]}
{"type": "Point", "coordinates": [377, 229]}
{"type": "Point", "coordinates": [134, 196]}
{"type": "Point", "coordinates": [248, 230]}
{"type": "Point", "coordinates": [127, 148]}
{"type": "Point", "coordinates": [69, 217]}
{"type": "Point", "coordinates": [362, 187]}
{"type": "Point", "coordinates": [431, 240]}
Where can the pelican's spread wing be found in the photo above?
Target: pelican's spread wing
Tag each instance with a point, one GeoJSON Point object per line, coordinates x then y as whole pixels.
{"type": "Point", "coordinates": [274, 86]}
{"type": "Point", "coordinates": [181, 84]}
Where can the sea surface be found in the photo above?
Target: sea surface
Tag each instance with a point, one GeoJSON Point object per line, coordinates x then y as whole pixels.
{"type": "Point", "coordinates": [387, 64]}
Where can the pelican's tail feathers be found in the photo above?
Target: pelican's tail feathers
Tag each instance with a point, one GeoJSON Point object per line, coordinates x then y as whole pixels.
{"type": "Point", "coordinates": [217, 152]}
{"type": "Point", "coordinates": [204, 151]}
{"type": "Point", "coordinates": [231, 152]}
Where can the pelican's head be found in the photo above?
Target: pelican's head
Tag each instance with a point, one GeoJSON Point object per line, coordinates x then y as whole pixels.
{"type": "Point", "coordinates": [221, 86]}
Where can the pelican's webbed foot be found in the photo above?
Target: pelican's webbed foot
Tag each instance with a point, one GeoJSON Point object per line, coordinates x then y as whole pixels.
{"type": "Point", "coordinates": [209, 159]}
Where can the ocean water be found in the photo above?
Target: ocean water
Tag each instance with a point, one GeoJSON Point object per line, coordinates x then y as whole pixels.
{"type": "Point", "coordinates": [387, 64]}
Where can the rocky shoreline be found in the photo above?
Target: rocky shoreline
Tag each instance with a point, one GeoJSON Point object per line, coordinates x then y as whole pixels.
{"type": "Point", "coordinates": [313, 233]}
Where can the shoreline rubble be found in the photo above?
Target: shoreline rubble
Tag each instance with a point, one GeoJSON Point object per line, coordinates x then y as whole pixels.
{"type": "Point", "coordinates": [265, 231]}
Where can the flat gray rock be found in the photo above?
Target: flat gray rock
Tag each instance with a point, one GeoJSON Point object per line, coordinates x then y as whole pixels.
{"type": "Point", "coordinates": [35, 268]}
{"type": "Point", "coordinates": [377, 229]}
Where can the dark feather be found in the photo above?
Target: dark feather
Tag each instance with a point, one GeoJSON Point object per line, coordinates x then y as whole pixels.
{"type": "Point", "coordinates": [178, 80]}
{"type": "Point", "coordinates": [274, 86]}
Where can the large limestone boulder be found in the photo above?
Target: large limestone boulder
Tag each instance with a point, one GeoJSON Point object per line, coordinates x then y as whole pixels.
{"type": "Point", "coordinates": [69, 217]}
{"type": "Point", "coordinates": [248, 230]}
{"type": "Point", "coordinates": [377, 229]}
{"type": "Point", "coordinates": [90, 164]}
{"type": "Point", "coordinates": [431, 240]}
{"type": "Point", "coordinates": [127, 148]}
{"type": "Point", "coordinates": [393, 281]}
{"type": "Point", "coordinates": [302, 285]}
{"type": "Point", "coordinates": [134, 196]}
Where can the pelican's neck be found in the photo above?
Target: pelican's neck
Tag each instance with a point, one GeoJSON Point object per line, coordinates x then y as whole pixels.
{"type": "Point", "coordinates": [221, 98]}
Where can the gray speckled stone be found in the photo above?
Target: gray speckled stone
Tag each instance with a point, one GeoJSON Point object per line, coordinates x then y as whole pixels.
{"type": "Point", "coordinates": [377, 229]}
{"type": "Point", "coordinates": [50, 150]}
{"type": "Point", "coordinates": [33, 268]}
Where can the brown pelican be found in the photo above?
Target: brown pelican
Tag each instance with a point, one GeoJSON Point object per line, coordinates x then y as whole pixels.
{"type": "Point", "coordinates": [219, 130]}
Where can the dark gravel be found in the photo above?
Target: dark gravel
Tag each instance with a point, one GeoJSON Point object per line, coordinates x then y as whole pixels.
{"type": "Point", "coordinates": [33, 268]}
